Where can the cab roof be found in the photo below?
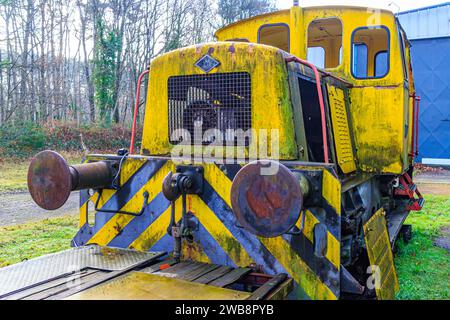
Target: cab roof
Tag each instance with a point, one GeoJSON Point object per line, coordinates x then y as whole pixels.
{"type": "Point", "coordinates": [287, 11]}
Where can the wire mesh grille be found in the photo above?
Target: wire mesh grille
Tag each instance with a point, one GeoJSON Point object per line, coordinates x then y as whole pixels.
{"type": "Point", "coordinates": [206, 109]}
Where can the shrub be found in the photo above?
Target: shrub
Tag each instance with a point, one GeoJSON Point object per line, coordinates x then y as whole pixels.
{"type": "Point", "coordinates": [27, 139]}
{"type": "Point", "coordinates": [22, 140]}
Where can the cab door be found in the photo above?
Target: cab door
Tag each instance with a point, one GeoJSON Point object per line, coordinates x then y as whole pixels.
{"type": "Point", "coordinates": [409, 96]}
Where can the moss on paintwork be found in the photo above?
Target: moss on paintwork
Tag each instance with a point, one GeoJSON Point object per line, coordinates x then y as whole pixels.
{"type": "Point", "coordinates": [271, 107]}
{"type": "Point", "coordinates": [380, 159]}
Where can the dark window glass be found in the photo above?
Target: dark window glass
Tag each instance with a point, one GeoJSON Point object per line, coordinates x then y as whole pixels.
{"type": "Point", "coordinates": [312, 119]}
{"type": "Point", "coordinates": [360, 60]}
{"type": "Point", "coordinates": [381, 64]}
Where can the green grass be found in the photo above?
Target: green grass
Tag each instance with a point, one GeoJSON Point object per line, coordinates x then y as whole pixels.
{"type": "Point", "coordinates": [424, 269]}
{"type": "Point", "coordinates": [13, 172]}
{"type": "Point", "coordinates": [13, 176]}
{"type": "Point", "coordinates": [26, 241]}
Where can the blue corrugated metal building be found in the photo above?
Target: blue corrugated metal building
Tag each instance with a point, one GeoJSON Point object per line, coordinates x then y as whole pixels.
{"type": "Point", "coordinates": [428, 30]}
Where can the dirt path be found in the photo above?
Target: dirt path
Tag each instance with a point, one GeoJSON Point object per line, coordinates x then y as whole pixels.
{"type": "Point", "coordinates": [436, 189]}
{"type": "Point", "coordinates": [434, 182]}
{"type": "Point", "coordinates": [444, 240]}
{"type": "Point", "coordinates": [17, 208]}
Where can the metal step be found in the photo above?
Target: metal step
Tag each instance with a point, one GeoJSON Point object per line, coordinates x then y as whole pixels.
{"type": "Point", "coordinates": [395, 221]}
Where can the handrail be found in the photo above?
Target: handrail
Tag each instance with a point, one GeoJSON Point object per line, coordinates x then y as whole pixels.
{"type": "Point", "coordinates": [418, 99]}
{"type": "Point", "coordinates": [413, 131]}
{"type": "Point", "coordinates": [415, 125]}
{"type": "Point", "coordinates": [136, 109]}
{"type": "Point", "coordinates": [321, 103]}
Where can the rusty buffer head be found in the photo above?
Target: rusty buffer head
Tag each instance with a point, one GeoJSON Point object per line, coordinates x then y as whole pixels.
{"type": "Point", "coordinates": [266, 205]}
{"type": "Point", "coordinates": [49, 180]}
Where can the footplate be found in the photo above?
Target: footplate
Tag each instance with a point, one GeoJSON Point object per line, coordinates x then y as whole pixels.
{"type": "Point", "coordinates": [379, 249]}
{"type": "Point", "coordinates": [35, 272]}
{"type": "Point", "coordinates": [190, 280]}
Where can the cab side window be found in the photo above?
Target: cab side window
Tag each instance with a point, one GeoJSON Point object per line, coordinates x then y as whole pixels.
{"type": "Point", "coordinates": [276, 35]}
{"type": "Point", "coordinates": [316, 55]}
{"type": "Point", "coordinates": [370, 53]}
{"type": "Point", "coordinates": [325, 42]}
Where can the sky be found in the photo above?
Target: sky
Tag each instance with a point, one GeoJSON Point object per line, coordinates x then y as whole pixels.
{"type": "Point", "coordinates": [397, 5]}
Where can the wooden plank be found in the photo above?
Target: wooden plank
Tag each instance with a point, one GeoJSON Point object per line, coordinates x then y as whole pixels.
{"type": "Point", "coordinates": [156, 267]}
{"type": "Point", "coordinates": [178, 270]}
{"type": "Point", "coordinates": [282, 291]}
{"type": "Point", "coordinates": [176, 267]}
{"type": "Point", "coordinates": [197, 273]}
{"type": "Point", "coordinates": [230, 277]}
{"type": "Point", "coordinates": [266, 288]}
{"type": "Point", "coordinates": [191, 268]}
{"type": "Point", "coordinates": [213, 275]}
{"type": "Point", "coordinates": [137, 285]}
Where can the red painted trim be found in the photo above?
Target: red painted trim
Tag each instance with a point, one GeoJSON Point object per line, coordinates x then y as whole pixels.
{"type": "Point", "coordinates": [321, 103]}
{"type": "Point", "coordinates": [418, 99]}
{"type": "Point", "coordinates": [136, 109]}
{"type": "Point", "coordinates": [413, 135]}
{"type": "Point", "coordinates": [415, 204]}
{"type": "Point", "coordinates": [415, 124]}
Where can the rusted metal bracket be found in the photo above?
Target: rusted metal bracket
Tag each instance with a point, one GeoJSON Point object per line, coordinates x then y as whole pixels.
{"type": "Point", "coordinates": [415, 130]}
{"type": "Point", "coordinates": [409, 189]}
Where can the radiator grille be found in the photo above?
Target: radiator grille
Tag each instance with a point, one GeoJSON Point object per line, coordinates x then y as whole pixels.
{"type": "Point", "coordinates": [220, 101]}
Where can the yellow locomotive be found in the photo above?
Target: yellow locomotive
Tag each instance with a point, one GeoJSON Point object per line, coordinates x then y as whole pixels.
{"type": "Point", "coordinates": [275, 163]}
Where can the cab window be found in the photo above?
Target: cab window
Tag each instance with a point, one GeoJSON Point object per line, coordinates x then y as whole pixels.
{"type": "Point", "coordinates": [276, 35]}
{"type": "Point", "coordinates": [316, 55]}
{"type": "Point", "coordinates": [360, 60]}
{"type": "Point", "coordinates": [325, 42]}
{"type": "Point", "coordinates": [370, 53]}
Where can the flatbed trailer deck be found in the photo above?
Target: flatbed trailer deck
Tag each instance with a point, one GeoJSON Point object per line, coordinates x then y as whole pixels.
{"type": "Point", "coordinates": [96, 273]}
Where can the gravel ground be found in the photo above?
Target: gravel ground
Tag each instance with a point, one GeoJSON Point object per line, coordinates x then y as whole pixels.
{"type": "Point", "coordinates": [17, 208]}
{"type": "Point", "coordinates": [436, 182]}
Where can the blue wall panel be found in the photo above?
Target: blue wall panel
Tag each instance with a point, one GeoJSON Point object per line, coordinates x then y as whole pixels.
{"type": "Point", "coordinates": [431, 66]}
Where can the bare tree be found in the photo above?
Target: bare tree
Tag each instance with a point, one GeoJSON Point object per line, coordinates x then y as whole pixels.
{"type": "Point", "coordinates": [48, 50]}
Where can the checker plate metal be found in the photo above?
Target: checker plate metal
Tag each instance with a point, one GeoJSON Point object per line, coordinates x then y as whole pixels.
{"type": "Point", "coordinates": [50, 266]}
